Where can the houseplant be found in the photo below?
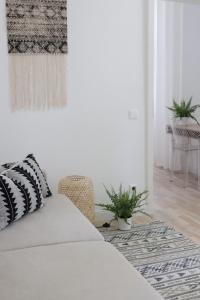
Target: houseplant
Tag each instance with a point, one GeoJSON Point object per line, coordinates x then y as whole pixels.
{"type": "Point", "coordinates": [124, 204]}
{"type": "Point", "coordinates": [184, 111]}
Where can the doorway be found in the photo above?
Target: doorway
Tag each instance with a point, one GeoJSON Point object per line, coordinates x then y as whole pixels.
{"type": "Point", "coordinates": [175, 69]}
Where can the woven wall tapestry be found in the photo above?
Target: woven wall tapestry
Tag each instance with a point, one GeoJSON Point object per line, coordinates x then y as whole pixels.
{"type": "Point", "coordinates": [37, 46]}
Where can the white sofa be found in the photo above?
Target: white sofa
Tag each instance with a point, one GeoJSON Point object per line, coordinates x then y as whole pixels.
{"type": "Point", "coordinates": [57, 254]}
{"type": "Point", "coordinates": [58, 222]}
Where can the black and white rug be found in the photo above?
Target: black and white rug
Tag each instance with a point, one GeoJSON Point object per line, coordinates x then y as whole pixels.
{"type": "Point", "coordinates": [166, 258]}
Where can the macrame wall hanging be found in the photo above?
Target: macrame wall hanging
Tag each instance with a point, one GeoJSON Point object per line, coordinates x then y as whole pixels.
{"type": "Point", "coordinates": [37, 46]}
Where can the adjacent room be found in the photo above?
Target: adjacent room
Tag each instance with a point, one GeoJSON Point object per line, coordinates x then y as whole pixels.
{"type": "Point", "coordinates": [177, 150]}
{"type": "Point", "coordinates": [100, 151]}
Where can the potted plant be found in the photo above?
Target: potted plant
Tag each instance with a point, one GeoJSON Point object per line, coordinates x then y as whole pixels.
{"type": "Point", "coordinates": [184, 111]}
{"type": "Point", "coordinates": [124, 204]}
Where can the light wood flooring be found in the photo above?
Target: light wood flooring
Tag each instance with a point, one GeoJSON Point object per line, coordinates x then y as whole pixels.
{"type": "Point", "coordinates": [177, 205]}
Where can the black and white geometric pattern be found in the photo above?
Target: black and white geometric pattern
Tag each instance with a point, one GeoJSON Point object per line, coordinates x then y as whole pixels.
{"type": "Point", "coordinates": [32, 162]}
{"type": "Point", "coordinates": [167, 259]}
{"type": "Point", "coordinates": [6, 166]}
{"type": "Point", "coordinates": [2, 169]}
{"type": "Point", "coordinates": [37, 26]}
{"type": "Point", "coordinates": [26, 180]}
{"type": "Point", "coordinates": [12, 206]}
{"type": "Point", "coordinates": [191, 131]}
{"type": "Point", "coordinates": [19, 193]}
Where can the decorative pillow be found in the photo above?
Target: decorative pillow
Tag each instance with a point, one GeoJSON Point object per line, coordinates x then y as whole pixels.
{"type": "Point", "coordinates": [31, 161]}
{"type": "Point", "coordinates": [6, 166]}
{"type": "Point", "coordinates": [11, 202]}
{"type": "Point", "coordinates": [26, 180]}
{"type": "Point", "coordinates": [41, 176]}
{"type": "Point", "coordinates": [2, 169]}
{"type": "Point", "coordinates": [16, 200]}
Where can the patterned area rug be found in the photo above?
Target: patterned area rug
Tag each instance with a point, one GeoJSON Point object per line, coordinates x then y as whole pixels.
{"type": "Point", "coordinates": [166, 258]}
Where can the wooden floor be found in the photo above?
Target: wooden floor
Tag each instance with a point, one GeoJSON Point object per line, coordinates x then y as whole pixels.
{"type": "Point", "coordinates": [177, 205]}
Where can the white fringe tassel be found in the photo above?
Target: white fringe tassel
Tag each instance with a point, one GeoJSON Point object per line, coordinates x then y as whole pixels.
{"type": "Point", "coordinates": [38, 82]}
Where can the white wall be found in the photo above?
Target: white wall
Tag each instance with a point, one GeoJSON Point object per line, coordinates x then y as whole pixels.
{"type": "Point", "coordinates": [184, 48]}
{"type": "Point", "coordinates": [191, 61]}
{"type": "Point", "coordinates": [191, 52]}
{"type": "Point", "coordinates": [106, 78]}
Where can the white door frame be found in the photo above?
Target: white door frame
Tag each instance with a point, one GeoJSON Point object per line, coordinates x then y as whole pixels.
{"type": "Point", "coordinates": [150, 94]}
{"type": "Point", "coordinates": [151, 67]}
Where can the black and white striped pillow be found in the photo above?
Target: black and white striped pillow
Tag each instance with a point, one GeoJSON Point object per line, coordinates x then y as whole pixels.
{"type": "Point", "coordinates": [30, 159]}
{"type": "Point", "coordinates": [12, 205]}
{"type": "Point", "coordinates": [6, 166]}
{"type": "Point", "coordinates": [32, 162]}
{"type": "Point", "coordinates": [26, 180]}
{"type": "Point", "coordinates": [19, 194]}
{"type": "Point", "coordinates": [2, 169]}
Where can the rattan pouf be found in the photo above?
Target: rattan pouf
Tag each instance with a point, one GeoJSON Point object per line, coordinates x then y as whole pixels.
{"type": "Point", "coordinates": [79, 189]}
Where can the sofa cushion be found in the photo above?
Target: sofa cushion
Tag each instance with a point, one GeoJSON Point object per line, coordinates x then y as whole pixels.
{"type": "Point", "coordinates": [58, 222]}
{"type": "Point", "coordinates": [78, 271]}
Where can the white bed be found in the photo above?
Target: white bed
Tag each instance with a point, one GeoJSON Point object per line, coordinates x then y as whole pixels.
{"type": "Point", "coordinates": [59, 221]}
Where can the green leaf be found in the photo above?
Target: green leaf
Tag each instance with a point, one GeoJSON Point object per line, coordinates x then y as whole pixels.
{"type": "Point", "coordinates": [184, 109]}
{"type": "Point", "coordinates": [124, 203]}
{"type": "Point", "coordinates": [189, 103]}
{"type": "Point", "coordinates": [192, 117]}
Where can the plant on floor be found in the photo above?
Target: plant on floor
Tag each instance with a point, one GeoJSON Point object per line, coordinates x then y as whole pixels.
{"type": "Point", "coordinates": [125, 203]}
{"type": "Point", "coordinates": [184, 109]}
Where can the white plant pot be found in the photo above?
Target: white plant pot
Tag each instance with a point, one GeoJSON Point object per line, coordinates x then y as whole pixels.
{"type": "Point", "coordinates": [124, 224]}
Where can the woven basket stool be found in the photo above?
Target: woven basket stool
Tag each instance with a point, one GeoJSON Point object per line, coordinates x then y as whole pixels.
{"type": "Point", "coordinates": [79, 189]}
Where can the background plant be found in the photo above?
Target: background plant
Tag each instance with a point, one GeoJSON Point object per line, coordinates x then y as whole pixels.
{"type": "Point", "coordinates": [125, 203]}
{"type": "Point", "coordinates": [184, 110]}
